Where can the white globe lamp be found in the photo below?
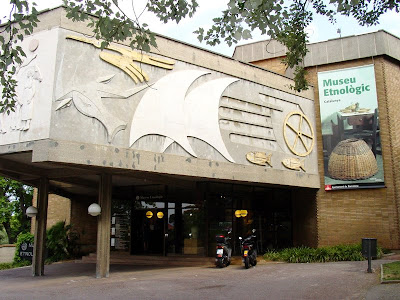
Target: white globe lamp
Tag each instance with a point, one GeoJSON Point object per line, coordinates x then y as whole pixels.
{"type": "Point", "coordinates": [94, 209]}
{"type": "Point", "coordinates": [31, 211]}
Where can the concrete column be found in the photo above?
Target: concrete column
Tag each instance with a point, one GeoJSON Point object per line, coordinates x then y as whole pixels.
{"type": "Point", "coordinates": [40, 229]}
{"type": "Point", "coordinates": [104, 227]}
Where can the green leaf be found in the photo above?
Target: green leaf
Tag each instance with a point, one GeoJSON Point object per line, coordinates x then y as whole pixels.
{"type": "Point", "coordinates": [246, 34]}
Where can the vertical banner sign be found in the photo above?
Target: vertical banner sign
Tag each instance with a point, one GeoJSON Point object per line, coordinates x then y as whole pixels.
{"type": "Point", "coordinates": [350, 129]}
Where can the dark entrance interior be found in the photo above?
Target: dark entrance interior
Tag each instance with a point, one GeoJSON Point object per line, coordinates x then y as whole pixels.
{"type": "Point", "coordinates": [169, 220]}
{"type": "Point", "coordinates": [147, 234]}
{"type": "Point", "coordinates": [244, 208]}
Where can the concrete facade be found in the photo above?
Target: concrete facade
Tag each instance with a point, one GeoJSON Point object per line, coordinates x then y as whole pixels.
{"type": "Point", "coordinates": [116, 137]}
{"type": "Point", "coordinates": [348, 215]}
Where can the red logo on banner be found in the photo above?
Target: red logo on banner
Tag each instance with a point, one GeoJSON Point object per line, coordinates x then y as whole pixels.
{"type": "Point", "coordinates": [328, 187]}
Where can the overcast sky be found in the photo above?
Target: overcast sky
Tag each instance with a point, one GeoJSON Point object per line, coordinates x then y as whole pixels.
{"type": "Point", "coordinates": [320, 29]}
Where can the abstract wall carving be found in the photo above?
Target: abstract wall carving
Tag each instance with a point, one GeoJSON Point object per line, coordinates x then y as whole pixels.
{"type": "Point", "coordinates": [126, 61]}
{"type": "Point", "coordinates": [90, 104]}
{"type": "Point", "coordinates": [169, 110]}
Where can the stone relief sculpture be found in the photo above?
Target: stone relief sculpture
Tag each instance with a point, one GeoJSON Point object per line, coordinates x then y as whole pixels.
{"type": "Point", "coordinates": [294, 164]}
{"type": "Point", "coordinates": [125, 61]}
{"type": "Point", "coordinates": [169, 110]}
{"type": "Point", "coordinates": [298, 133]}
{"type": "Point", "coordinates": [259, 158]}
{"type": "Point", "coordinates": [250, 121]}
{"type": "Point", "coordinates": [28, 77]}
{"type": "Point", "coordinates": [90, 104]}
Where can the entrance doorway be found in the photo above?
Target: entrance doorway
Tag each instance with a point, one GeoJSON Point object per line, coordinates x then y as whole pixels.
{"type": "Point", "coordinates": [172, 224]}
{"type": "Point", "coordinates": [148, 232]}
{"type": "Point", "coordinates": [176, 221]}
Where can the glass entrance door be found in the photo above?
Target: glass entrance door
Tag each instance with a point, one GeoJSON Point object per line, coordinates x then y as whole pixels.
{"type": "Point", "coordinates": [147, 232]}
{"type": "Point", "coordinates": [174, 224]}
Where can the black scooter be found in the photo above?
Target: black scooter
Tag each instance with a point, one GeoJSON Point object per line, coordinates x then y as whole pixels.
{"type": "Point", "coordinates": [224, 251]}
{"type": "Point", "coordinates": [249, 250]}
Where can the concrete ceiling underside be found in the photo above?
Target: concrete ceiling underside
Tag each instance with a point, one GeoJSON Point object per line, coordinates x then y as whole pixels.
{"type": "Point", "coordinates": [71, 180]}
{"type": "Point", "coordinates": [68, 180]}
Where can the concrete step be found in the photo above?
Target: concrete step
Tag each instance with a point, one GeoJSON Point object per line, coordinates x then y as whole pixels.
{"type": "Point", "coordinates": [170, 260]}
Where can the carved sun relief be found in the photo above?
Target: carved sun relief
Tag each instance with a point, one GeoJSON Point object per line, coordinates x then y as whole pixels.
{"type": "Point", "coordinates": [298, 133]}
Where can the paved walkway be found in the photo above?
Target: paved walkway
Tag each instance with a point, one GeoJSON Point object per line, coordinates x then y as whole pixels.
{"type": "Point", "coordinates": [342, 280]}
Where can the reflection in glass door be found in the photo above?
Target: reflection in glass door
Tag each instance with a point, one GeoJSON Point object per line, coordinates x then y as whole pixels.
{"type": "Point", "coordinates": [175, 226]}
{"type": "Point", "coordinates": [148, 228]}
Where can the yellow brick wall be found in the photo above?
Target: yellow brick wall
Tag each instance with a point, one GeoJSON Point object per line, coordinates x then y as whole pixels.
{"type": "Point", "coordinates": [85, 224]}
{"type": "Point", "coordinates": [59, 209]}
{"type": "Point", "coordinates": [391, 73]}
{"type": "Point", "coordinates": [347, 216]}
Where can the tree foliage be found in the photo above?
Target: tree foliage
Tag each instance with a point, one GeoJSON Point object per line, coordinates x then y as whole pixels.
{"type": "Point", "coordinates": [15, 198]}
{"type": "Point", "coordinates": [284, 21]}
{"type": "Point", "coordinates": [287, 21]}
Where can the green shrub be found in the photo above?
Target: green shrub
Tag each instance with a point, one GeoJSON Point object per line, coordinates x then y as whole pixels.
{"type": "Point", "coordinates": [323, 254]}
{"type": "Point", "coordinates": [3, 236]}
{"type": "Point", "coordinates": [22, 238]}
{"type": "Point", "coordinates": [60, 242]}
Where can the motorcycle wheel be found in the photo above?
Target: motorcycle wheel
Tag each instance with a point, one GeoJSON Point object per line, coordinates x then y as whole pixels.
{"type": "Point", "coordinates": [228, 261]}
{"type": "Point", "coordinates": [220, 263]}
{"type": "Point", "coordinates": [246, 262]}
{"type": "Point", "coordinates": [254, 261]}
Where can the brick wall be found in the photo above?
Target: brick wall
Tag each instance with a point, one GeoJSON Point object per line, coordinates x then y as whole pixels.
{"type": "Point", "coordinates": [59, 209]}
{"type": "Point", "coordinates": [84, 224]}
{"type": "Point", "coordinates": [391, 73]}
{"type": "Point", "coordinates": [347, 216]}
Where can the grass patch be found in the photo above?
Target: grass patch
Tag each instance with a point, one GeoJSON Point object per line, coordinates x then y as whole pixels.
{"type": "Point", "coordinates": [391, 271]}
{"type": "Point", "coordinates": [12, 265]}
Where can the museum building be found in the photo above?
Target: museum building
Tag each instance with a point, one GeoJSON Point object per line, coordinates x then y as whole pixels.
{"type": "Point", "coordinates": [180, 144]}
{"type": "Point", "coordinates": [361, 194]}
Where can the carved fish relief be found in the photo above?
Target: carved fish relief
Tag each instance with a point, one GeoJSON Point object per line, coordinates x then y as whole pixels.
{"type": "Point", "coordinates": [259, 158]}
{"type": "Point", "coordinates": [294, 164]}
